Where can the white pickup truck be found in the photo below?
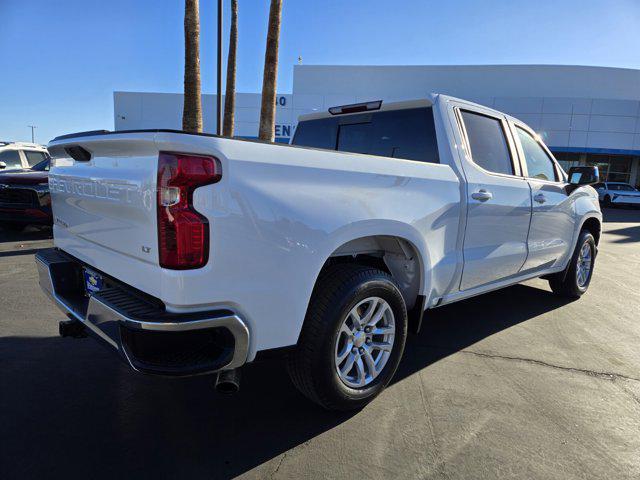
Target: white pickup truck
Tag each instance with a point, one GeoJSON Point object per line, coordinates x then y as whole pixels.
{"type": "Point", "coordinates": [193, 254]}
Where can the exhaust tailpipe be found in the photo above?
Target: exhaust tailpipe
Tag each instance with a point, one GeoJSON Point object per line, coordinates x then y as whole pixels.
{"type": "Point", "coordinates": [228, 381]}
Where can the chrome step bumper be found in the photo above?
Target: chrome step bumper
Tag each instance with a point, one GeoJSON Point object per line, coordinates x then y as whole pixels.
{"type": "Point", "coordinates": [150, 339]}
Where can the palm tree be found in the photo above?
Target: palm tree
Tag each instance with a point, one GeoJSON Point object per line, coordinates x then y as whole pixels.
{"type": "Point", "coordinates": [192, 112]}
{"type": "Point", "coordinates": [230, 94]}
{"type": "Point", "coordinates": [268, 108]}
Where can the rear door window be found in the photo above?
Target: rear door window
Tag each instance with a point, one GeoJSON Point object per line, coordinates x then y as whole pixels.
{"type": "Point", "coordinates": [43, 166]}
{"type": "Point", "coordinates": [487, 143]}
{"type": "Point", "coordinates": [34, 157]}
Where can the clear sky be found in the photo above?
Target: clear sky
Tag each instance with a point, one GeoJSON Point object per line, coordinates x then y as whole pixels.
{"type": "Point", "coordinates": [61, 60]}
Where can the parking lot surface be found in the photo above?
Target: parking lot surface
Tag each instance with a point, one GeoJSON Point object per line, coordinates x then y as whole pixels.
{"type": "Point", "coordinates": [513, 384]}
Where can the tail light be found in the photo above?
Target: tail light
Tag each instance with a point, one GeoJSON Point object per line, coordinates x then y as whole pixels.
{"type": "Point", "coordinates": [183, 233]}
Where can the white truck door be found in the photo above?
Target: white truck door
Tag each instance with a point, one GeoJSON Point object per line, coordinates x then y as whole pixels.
{"type": "Point", "coordinates": [553, 217]}
{"type": "Point", "coordinates": [499, 200]}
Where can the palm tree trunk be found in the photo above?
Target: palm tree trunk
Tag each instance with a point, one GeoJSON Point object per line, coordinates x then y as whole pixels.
{"type": "Point", "coordinates": [230, 94]}
{"type": "Point", "coordinates": [268, 108]}
{"type": "Point", "coordinates": [192, 112]}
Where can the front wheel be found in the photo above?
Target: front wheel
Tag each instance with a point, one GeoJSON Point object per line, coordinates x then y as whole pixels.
{"type": "Point", "coordinates": [352, 338]}
{"type": "Point", "coordinates": [574, 280]}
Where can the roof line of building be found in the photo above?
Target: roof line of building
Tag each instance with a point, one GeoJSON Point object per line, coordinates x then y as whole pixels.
{"type": "Point", "coordinates": [464, 65]}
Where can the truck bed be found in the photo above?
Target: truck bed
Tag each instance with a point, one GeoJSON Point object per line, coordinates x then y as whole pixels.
{"type": "Point", "coordinates": [277, 212]}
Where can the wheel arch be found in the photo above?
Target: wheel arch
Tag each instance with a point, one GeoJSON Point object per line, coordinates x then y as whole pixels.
{"type": "Point", "coordinates": [594, 226]}
{"type": "Point", "coordinates": [591, 222]}
{"type": "Point", "coordinates": [399, 254]}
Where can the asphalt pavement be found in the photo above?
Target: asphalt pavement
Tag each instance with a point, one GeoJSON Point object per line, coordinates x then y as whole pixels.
{"type": "Point", "coordinates": [513, 384]}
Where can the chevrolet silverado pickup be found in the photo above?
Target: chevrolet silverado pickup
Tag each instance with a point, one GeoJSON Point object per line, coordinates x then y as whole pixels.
{"type": "Point", "coordinates": [192, 253]}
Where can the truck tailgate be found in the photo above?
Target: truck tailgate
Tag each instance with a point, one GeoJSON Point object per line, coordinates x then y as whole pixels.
{"type": "Point", "coordinates": [106, 204]}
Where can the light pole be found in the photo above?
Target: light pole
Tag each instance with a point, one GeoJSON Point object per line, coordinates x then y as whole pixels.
{"type": "Point", "coordinates": [32, 127]}
{"type": "Point", "coordinates": [219, 73]}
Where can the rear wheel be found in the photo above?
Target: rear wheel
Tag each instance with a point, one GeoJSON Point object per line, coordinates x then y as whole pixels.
{"type": "Point", "coordinates": [574, 281]}
{"type": "Point", "coordinates": [352, 339]}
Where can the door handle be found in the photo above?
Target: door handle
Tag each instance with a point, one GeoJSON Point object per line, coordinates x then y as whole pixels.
{"type": "Point", "coordinates": [482, 195]}
{"type": "Point", "coordinates": [540, 198]}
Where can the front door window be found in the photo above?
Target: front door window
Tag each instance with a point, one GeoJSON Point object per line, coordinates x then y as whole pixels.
{"type": "Point", "coordinates": [11, 159]}
{"type": "Point", "coordinates": [539, 165]}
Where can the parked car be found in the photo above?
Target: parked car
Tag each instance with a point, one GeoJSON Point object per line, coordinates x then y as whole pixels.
{"type": "Point", "coordinates": [617, 193]}
{"type": "Point", "coordinates": [191, 254]}
{"type": "Point", "coordinates": [24, 197]}
{"type": "Point", "coordinates": [21, 155]}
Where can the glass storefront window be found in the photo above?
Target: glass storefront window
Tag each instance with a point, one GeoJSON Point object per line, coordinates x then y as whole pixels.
{"type": "Point", "coordinates": [613, 168]}
{"type": "Point", "coordinates": [618, 164]}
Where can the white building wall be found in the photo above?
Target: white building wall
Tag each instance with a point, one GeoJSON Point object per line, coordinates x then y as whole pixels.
{"type": "Point", "coordinates": [572, 107]}
{"type": "Point", "coordinates": [473, 82]}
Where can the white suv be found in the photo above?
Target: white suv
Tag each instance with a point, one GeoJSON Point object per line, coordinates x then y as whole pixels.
{"type": "Point", "coordinates": [617, 193]}
{"type": "Point", "coordinates": [19, 155]}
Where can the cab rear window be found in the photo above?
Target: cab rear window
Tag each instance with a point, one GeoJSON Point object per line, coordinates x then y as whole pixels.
{"type": "Point", "coordinates": [409, 134]}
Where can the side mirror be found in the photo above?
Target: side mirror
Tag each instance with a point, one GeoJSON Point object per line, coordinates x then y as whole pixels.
{"type": "Point", "coordinates": [3, 165]}
{"type": "Point", "coordinates": [583, 175]}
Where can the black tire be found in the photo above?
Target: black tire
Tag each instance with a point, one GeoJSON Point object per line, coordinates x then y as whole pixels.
{"type": "Point", "coordinates": [13, 226]}
{"type": "Point", "coordinates": [566, 283]}
{"type": "Point", "coordinates": [312, 365]}
{"type": "Point", "coordinates": [607, 201]}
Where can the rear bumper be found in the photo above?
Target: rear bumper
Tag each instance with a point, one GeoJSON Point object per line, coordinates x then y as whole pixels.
{"type": "Point", "coordinates": [150, 339]}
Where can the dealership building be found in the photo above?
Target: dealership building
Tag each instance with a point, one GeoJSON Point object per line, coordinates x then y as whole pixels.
{"type": "Point", "coordinates": [586, 115]}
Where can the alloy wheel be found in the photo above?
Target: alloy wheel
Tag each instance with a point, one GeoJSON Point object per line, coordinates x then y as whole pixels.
{"type": "Point", "coordinates": [364, 342]}
{"type": "Point", "coordinates": [583, 272]}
